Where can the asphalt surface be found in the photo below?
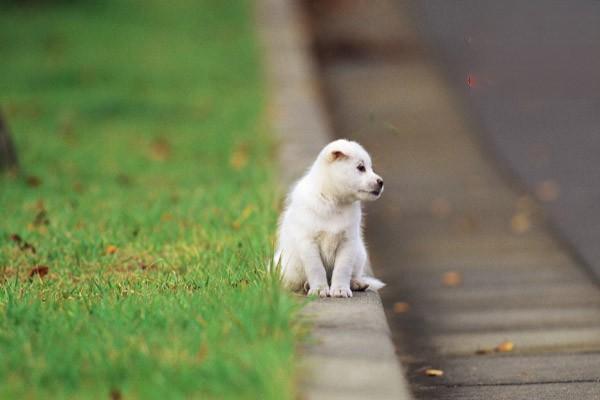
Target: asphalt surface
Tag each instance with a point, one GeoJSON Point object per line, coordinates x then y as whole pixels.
{"type": "Point", "coordinates": [482, 300]}
{"type": "Point", "coordinates": [530, 75]}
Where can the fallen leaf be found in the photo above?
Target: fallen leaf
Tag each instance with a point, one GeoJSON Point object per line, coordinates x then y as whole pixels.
{"type": "Point", "coordinates": [33, 181]}
{"type": "Point", "coordinates": [434, 372]}
{"type": "Point", "coordinates": [520, 223]}
{"type": "Point", "coordinates": [483, 351]}
{"type": "Point", "coordinates": [471, 81]}
{"type": "Point", "coordinates": [160, 149]}
{"type": "Point", "coordinates": [505, 347]}
{"type": "Point", "coordinates": [452, 279]}
{"type": "Point", "coordinates": [40, 270]}
{"type": "Point", "coordinates": [239, 157]}
{"type": "Point", "coordinates": [110, 249]}
{"type": "Point", "coordinates": [401, 307]}
{"type": "Point", "coordinates": [23, 245]}
{"type": "Point", "coordinates": [547, 190]}
{"type": "Point", "coordinates": [115, 394]}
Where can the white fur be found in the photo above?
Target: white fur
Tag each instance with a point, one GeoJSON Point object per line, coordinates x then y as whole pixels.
{"type": "Point", "coordinates": [320, 232]}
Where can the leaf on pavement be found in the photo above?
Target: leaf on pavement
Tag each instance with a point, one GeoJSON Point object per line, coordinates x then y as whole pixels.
{"type": "Point", "coordinates": [505, 347]}
{"type": "Point", "coordinates": [452, 279]}
{"type": "Point", "coordinates": [434, 372]}
{"type": "Point", "coordinates": [401, 307]}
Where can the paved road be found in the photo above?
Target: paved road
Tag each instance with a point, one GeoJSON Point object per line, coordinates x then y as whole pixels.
{"type": "Point", "coordinates": [468, 260]}
{"type": "Point", "coordinates": [534, 69]}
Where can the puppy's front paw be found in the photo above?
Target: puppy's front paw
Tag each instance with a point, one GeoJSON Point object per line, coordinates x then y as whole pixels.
{"type": "Point", "coordinates": [340, 291]}
{"type": "Point", "coordinates": [321, 291]}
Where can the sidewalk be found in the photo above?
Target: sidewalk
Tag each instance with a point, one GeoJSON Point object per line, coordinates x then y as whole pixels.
{"type": "Point", "coordinates": [351, 355]}
{"type": "Point", "coordinates": [467, 254]}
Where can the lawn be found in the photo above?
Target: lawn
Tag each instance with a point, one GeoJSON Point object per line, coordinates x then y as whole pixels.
{"type": "Point", "coordinates": [133, 244]}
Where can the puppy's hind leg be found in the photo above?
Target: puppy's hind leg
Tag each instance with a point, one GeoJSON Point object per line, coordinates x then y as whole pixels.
{"type": "Point", "coordinates": [362, 278]}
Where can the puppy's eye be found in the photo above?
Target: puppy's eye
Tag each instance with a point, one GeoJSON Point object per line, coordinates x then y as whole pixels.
{"type": "Point", "coordinates": [361, 168]}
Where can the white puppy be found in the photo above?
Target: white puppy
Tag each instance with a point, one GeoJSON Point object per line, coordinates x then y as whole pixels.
{"type": "Point", "coordinates": [320, 232]}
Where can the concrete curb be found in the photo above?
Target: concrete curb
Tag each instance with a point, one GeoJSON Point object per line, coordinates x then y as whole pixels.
{"type": "Point", "coordinates": [352, 355]}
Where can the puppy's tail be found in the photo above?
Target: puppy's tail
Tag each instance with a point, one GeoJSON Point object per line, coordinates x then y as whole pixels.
{"type": "Point", "coordinates": [374, 283]}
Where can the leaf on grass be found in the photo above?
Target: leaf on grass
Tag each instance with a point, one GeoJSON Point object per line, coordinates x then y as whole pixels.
{"type": "Point", "coordinates": [33, 181]}
{"type": "Point", "coordinates": [505, 347]}
{"type": "Point", "coordinates": [434, 372]}
{"type": "Point", "coordinates": [239, 157]}
{"type": "Point", "coordinates": [115, 394]}
{"type": "Point", "coordinates": [401, 307]}
{"type": "Point", "coordinates": [452, 279]}
{"type": "Point", "coordinates": [111, 249]}
{"type": "Point", "coordinates": [40, 270]}
{"type": "Point", "coordinates": [22, 244]}
{"type": "Point", "coordinates": [160, 149]}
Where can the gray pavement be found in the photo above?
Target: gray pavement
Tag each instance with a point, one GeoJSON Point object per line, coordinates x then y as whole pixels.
{"type": "Point", "coordinates": [448, 210]}
{"type": "Point", "coordinates": [536, 95]}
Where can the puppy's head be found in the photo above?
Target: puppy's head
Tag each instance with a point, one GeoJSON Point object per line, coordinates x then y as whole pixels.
{"type": "Point", "coordinates": [349, 172]}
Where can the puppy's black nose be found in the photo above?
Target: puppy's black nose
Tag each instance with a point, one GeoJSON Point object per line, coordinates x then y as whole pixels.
{"type": "Point", "coordinates": [380, 182]}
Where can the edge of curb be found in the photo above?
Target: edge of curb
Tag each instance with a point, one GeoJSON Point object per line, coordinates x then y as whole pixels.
{"type": "Point", "coordinates": [352, 355]}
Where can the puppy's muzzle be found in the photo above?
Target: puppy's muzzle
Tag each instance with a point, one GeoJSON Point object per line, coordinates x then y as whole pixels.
{"type": "Point", "coordinates": [378, 191]}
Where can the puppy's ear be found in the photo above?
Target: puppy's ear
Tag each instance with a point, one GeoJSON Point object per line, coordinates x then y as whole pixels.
{"type": "Point", "coordinates": [337, 155]}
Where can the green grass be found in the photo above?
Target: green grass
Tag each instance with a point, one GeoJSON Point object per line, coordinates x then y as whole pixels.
{"type": "Point", "coordinates": [139, 125]}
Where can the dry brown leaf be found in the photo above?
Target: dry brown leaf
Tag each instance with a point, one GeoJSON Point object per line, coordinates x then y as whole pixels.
{"type": "Point", "coordinates": [239, 157]}
{"type": "Point", "coordinates": [202, 352]}
{"type": "Point", "coordinates": [434, 372]}
{"type": "Point", "coordinates": [483, 351]}
{"type": "Point", "coordinates": [401, 307]}
{"type": "Point", "coordinates": [452, 279]}
{"type": "Point", "coordinates": [505, 347]}
{"type": "Point", "coordinates": [115, 394]}
{"type": "Point", "coordinates": [160, 149]}
{"type": "Point", "coordinates": [520, 223]}
{"type": "Point", "coordinates": [40, 270]}
{"type": "Point", "coordinates": [22, 244]}
{"type": "Point", "coordinates": [111, 249]}
{"type": "Point", "coordinates": [547, 190]}
{"type": "Point", "coordinates": [33, 181]}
